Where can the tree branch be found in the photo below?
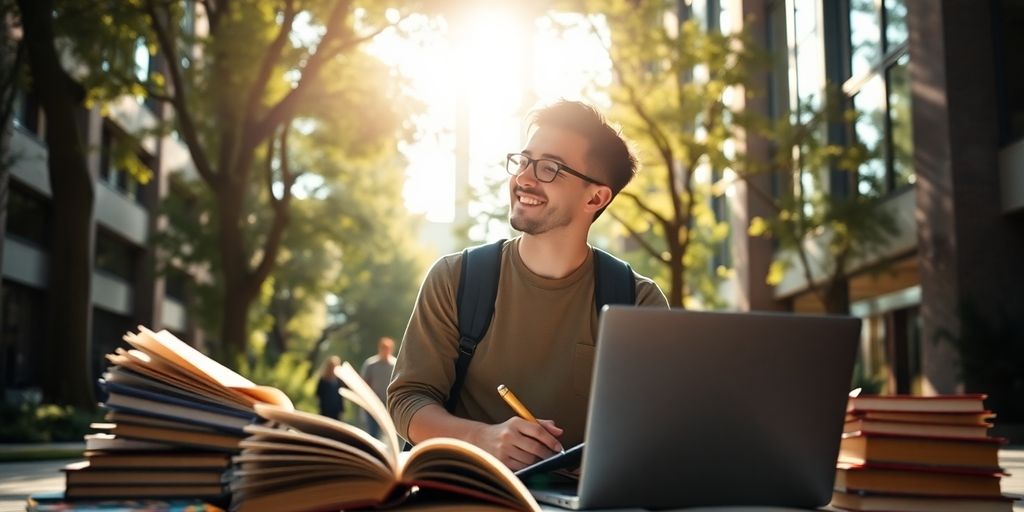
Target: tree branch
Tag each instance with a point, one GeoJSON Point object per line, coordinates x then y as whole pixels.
{"type": "Point", "coordinates": [652, 128]}
{"type": "Point", "coordinates": [280, 206]}
{"type": "Point", "coordinates": [326, 50]}
{"type": "Point", "coordinates": [643, 206]}
{"type": "Point", "coordinates": [636, 236]}
{"type": "Point", "coordinates": [189, 132]}
{"type": "Point", "coordinates": [270, 58]}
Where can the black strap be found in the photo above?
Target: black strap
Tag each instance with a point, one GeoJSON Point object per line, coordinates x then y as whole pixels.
{"type": "Point", "coordinates": [613, 281]}
{"type": "Point", "coordinates": [478, 289]}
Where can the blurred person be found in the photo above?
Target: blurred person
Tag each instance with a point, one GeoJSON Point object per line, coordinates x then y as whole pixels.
{"type": "Point", "coordinates": [328, 389]}
{"type": "Point", "coordinates": [376, 372]}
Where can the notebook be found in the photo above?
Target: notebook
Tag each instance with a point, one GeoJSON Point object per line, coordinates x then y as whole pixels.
{"type": "Point", "coordinates": [711, 409]}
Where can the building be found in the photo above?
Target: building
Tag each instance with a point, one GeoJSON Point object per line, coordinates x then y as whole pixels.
{"type": "Point", "coordinates": [125, 288]}
{"type": "Point", "coordinates": [939, 93]}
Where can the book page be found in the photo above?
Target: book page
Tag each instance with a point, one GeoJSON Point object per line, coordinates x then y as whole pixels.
{"type": "Point", "coordinates": [451, 464]}
{"type": "Point", "coordinates": [360, 393]}
{"type": "Point", "coordinates": [159, 370]}
{"type": "Point", "coordinates": [320, 445]}
{"type": "Point", "coordinates": [316, 425]}
{"type": "Point", "coordinates": [166, 345]}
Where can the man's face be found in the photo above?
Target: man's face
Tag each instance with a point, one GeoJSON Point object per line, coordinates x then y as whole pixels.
{"type": "Point", "coordinates": [538, 207]}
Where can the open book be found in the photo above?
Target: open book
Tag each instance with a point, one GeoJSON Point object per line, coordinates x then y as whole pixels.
{"type": "Point", "coordinates": [302, 461]}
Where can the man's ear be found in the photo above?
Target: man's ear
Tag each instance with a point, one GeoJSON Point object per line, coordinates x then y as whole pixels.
{"type": "Point", "coordinates": [599, 198]}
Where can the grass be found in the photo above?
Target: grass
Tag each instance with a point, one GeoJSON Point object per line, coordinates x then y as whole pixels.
{"type": "Point", "coordinates": [37, 454]}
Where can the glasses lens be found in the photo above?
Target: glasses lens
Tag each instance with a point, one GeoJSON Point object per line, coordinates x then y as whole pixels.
{"type": "Point", "coordinates": [546, 170]}
{"type": "Point", "coordinates": [516, 164]}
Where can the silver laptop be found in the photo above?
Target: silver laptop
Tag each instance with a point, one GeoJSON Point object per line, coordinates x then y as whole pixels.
{"type": "Point", "coordinates": [712, 409]}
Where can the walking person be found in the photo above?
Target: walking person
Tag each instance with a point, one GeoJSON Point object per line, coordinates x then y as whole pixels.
{"type": "Point", "coordinates": [376, 372]}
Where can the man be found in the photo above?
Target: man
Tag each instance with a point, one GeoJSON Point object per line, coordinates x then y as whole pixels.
{"type": "Point", "coordinates": [376, 372]}
{"type": "Point", "coordinates": [541, 339]}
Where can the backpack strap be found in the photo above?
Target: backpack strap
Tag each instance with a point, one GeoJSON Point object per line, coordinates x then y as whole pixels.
{"type": "Point", "coordinates": [478, 289]}
{"type": "Point", "coordinates": [613, 281]}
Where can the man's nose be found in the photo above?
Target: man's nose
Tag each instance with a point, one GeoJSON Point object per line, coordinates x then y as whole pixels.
{"type": "Point", "coordinates": [526, 176]}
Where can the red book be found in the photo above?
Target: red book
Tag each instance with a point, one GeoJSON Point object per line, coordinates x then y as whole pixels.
{"type": "Point", "coordinates": [919, 480]}
{"type": "Point", "coordinates": [944, 403]}
{"type": "Point", "coordinates": [914, 503]}
{"type": "Point", "coordinates": [914, 428]}
{"type": "Point", "coordinates": [868, 448]}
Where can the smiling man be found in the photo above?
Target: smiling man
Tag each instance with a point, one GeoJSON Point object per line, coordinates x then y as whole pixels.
{"type": "Point", "coordinates": [540, 342]}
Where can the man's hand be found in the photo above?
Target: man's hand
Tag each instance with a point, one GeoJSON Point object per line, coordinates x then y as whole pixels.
{"type": "Point", "coordinates": [518, 443]}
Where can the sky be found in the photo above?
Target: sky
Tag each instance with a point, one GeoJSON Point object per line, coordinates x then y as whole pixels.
{"type": "Point", "coordinates": [502, 64]}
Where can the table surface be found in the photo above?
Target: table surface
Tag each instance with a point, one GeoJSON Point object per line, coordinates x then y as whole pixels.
{"type": "Point", "coordinates": [19, 479]}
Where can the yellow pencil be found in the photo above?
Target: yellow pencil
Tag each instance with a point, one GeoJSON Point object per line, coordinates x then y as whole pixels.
{"type": "Point", "coordinates": [513, 402]}
{"type": "Point", "coordinates": [517, 406]}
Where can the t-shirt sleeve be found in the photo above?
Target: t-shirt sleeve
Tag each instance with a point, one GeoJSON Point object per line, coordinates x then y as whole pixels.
{"type": "Point", "coordinates": [648, 293]}
{"type": "Point", "coordinates": [425, 368]}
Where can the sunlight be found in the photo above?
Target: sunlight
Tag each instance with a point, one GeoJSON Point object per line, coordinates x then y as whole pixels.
{"type": "Point", "coordinates": [500, 63]}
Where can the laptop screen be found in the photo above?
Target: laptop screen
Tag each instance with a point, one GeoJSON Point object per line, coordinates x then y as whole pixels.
{"type": "Point", "coordinates": [707, 409]}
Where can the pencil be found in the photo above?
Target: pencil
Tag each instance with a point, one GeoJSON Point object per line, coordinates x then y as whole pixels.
{"type": "Point", "coordinates": [515, 404]}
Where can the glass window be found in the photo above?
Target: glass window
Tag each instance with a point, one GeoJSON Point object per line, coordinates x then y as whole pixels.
{"type": "Point", "coordinates": [26, 111]}
{"type": "Point", "coordinates": [115, 256]}
{"type": "Point", "coordinates": [112, 163]}
{"type": "Point", "coordinates": [895, 23]}
{"type": "Point", "coordinates": [22, 324]}
{"type": "Point", "coordinates": [870, 130]}
{"type": "Point", "coordinates": [808, 48]}
{"type": "Point", "coordinates": [28, 215]}
{"type": "Point", "coordinates": [880, 89]}
{"type": "Point", "coordinates": [901, 131]}
{"type": "Point", "coordinates": [865, 36]}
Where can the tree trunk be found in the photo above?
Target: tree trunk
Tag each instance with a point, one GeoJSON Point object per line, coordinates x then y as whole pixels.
{"type": "Point", "coordinates": [65, 367]}
{"type": "Point", "coordinates": [235, 269]}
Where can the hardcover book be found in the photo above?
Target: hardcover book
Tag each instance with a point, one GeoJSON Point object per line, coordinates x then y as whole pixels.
{"type": "Point", "coordinates": [304, 461]}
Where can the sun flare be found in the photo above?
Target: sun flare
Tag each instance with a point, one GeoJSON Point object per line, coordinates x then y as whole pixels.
{"type": "Point", "coordinates": [496, 64]}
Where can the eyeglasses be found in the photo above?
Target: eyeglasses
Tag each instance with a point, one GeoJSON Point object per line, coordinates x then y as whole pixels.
{"type": "Point", "coordinates": [545, 170]}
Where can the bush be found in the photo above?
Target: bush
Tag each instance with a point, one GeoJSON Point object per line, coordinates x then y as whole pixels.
{"type": "Point", "coordinates": [44, 423]}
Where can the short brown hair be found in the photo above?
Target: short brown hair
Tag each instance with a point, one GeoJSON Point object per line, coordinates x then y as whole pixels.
{"type": "Point", "coordinates": [607, 149]}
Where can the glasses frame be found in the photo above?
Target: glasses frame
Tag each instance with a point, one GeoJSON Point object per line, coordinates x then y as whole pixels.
{"type": "Point", "coordinates": [533, 162]}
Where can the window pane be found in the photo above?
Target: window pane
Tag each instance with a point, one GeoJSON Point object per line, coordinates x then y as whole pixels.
{"type": "Point", "coordinates": [865, 36]}
{"type": "Point", "coordinates": [895, 23]}
{"type": "Point", "coordinates": [902, 129]}
{"type": "Point", "coordinates": [115, 256]}
{"type": "Point", "coordinates": [810, 70]}
{"type": "Point", "coordinates": [870, 130]}
{"type": "Point", "coordinates": [28, 215]}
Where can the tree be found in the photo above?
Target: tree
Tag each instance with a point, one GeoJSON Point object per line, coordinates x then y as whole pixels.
{"type": "Point", "coordinates": [62, 375]}
{"type": "Point", "coordinates": [671, 81]}
{"type": "Point", "coordinates": [816, 224]}
{"type": "Point", "coordinates": [262, 71]}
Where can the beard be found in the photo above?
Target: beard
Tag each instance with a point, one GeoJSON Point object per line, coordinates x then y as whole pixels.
{"type": "Point", "coordinates": [538, 224]}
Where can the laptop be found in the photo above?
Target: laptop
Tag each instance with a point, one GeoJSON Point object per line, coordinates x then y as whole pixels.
{"type": "Point", "coordinates": [711, 409]}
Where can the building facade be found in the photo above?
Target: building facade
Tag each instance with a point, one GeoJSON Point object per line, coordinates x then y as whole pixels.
{"type": "Point", "coordinates": [941, 115]}
{"type": "Point", "coordinates": [126, 289]}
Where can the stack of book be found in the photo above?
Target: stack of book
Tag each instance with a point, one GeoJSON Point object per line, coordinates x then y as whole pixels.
{"type": "Point", "coordinates": [909, 453]}
{"type": "Point", "coordinates": [174, 419]}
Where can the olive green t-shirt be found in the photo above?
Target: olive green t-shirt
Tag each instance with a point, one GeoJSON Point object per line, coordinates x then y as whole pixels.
{"type": "Point", "coordinates": [540, 344]}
